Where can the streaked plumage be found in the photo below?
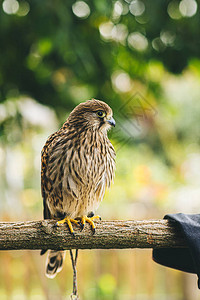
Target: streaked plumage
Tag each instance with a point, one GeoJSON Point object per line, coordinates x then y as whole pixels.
{"type": "Point", "coordinates": [78, 163]}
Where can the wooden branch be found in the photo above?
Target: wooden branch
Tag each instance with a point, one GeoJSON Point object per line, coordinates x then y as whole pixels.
{"type": "Point", "coordinates": [109, 234]}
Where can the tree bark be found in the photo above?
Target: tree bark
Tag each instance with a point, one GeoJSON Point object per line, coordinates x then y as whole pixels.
{"type": "Point", "coordinates": [109, 234]}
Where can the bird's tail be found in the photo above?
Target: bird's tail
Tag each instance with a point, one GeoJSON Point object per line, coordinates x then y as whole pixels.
{"type": "Point", "coordinates": [54, 262]}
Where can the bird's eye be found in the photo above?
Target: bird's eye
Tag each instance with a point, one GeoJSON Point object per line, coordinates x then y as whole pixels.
{"type": "Point", "coordinates": [100, 113]}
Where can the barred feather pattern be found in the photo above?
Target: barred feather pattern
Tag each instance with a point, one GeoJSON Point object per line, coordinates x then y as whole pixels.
{"type": "Point", "coordinates": [54, 263]}
{"type": "Point", "coordinates": [78, 164]}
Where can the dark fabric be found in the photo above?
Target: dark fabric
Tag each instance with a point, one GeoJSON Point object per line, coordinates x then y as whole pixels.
{"type": "Point", "coordinates": [184, 259]}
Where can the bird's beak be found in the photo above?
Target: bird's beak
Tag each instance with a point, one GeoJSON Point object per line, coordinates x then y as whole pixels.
{"type": "Point", "coordinates": [111, 121]}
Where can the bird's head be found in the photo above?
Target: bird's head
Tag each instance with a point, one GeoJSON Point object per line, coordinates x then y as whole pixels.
{"type": "Point", "coordinates": [94, 114]}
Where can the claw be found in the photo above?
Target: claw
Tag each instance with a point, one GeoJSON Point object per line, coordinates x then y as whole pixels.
{"type": "Point", "coordinates": [89, 220]}
{"type": "Point", "coordinates": [81, 224]}
{"type": "Point", "coordinates": [69, 222]}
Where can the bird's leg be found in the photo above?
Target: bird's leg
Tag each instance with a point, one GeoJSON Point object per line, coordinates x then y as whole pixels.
{"type": "Point", "coordinates": [89, 220]}
{"type": "Point", "coordinates": [69, 222]}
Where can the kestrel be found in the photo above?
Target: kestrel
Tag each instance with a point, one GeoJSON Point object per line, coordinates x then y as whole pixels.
{"type": "Point", "coordinates": [78, 164]}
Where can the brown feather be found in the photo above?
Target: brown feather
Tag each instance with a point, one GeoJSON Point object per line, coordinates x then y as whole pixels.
{"type": "Point", "coordinates": [78, 163]}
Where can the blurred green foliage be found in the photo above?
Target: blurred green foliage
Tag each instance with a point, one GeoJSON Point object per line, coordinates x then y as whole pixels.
{"type": "Point", "coordinates": [62, 52]}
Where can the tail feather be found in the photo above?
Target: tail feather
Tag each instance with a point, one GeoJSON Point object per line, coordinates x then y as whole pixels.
{"type": "Point", "coordinates": [54, 262]}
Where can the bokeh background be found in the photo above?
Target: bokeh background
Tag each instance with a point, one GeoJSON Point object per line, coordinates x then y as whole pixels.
{"type": "Point", "coordinates": [141, 57]}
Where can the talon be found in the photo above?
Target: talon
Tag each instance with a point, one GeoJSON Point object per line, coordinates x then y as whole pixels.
{"type": "Point", "coordinates": [90, 221]}
{"type": "Point", "coordinates": [82, 226]}
{"type": "Point", "coordinates": [69, 222]}
{"type": "Point", "coordinates": [96, 217]}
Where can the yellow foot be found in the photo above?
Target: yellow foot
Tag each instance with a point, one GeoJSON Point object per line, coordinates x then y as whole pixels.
{"type": "Point", "coordinates": [69, 222]}
{"type": "Point", "coordinates": [89, 220]}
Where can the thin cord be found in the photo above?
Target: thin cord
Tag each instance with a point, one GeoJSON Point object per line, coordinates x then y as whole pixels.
{"type": "Point", "coordinates": [74, 261]}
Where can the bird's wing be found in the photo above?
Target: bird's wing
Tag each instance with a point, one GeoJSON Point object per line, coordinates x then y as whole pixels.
{"type": "Point", "coordinates": [44, 162]}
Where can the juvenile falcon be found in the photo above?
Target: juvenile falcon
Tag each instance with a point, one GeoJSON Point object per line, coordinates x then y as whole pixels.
{"type": "Point", "coordinates": [78, 164]}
